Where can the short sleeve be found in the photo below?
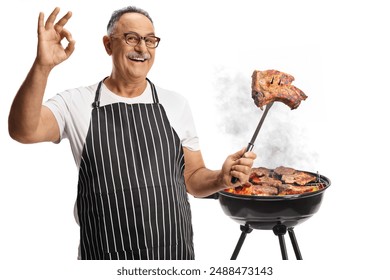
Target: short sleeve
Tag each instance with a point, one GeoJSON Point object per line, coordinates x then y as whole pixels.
{"type": "Point", "coordinates": [58, 106]}
{"type": "Point", "coordinates": [189, 135]}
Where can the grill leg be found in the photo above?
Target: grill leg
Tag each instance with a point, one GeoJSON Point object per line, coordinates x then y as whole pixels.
{"type": "Point", "coordinates": [245, 230]}
{"type": "Point", "coordinates": [280, 230]}
{"type": "Point", "coordinates": [294, 243]}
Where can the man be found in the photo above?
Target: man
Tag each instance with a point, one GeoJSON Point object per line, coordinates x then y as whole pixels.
{"type": "Point", "coordinates": [135, 144]}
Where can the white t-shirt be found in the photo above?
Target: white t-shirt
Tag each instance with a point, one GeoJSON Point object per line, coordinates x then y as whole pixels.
{"type": "Point", "coordinates": [72, 110]}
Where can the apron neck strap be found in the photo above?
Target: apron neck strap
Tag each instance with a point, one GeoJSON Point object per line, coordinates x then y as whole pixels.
{"type": "Point", "coordinates": [154, 91]}
{"type": "Point", "coordinates": [96, 103]}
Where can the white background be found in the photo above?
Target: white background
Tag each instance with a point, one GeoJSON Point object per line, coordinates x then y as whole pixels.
{"type": "Point", "coordinates": [338, 52]}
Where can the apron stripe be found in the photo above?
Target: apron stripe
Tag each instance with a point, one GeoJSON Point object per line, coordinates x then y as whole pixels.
{"type": "Point", "coordinates": [165, 167]}
{"type": "Point", "coordinates": [118, 198]}
{"type": "Point", "coordinates": [103, 186]}
{"type": "Point", "coordinates": [134, 234]}
{"type": "Point", "coordinates": [153, 214]}
{"type": "Point", "coordinates": [89, 205]}
{"type": "Point", "coordinates": [124, 177]}
{"type": "Point", "coordinates": [144, 198]}
{"type": "Point", "coordinates": [162, 170]}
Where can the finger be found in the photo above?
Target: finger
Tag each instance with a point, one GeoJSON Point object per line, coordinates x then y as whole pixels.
{"type": "Point", "coordinates": [242, 178]}
{"type": "Point", "coordinates": [41, 24]}
{"type": "Point", "coordinates": [246, 159]}
{"type": "Point", "coordinates": [250, 155]}
{"type": "Point", "coordinates": [70, 47]}
{"type": "Point", "coordinates": [243, 166]}
{"type": "Point", "coordinates": [64, 19]}
{"type": "Point", "coordinates": [238, 154]}
{"type": "Point", "coordinates": [243, 169]}
{"type": "Point", "coordinates": [50, 20]}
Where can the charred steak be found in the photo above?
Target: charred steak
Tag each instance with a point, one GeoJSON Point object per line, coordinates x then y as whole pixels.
{"type": "Point", "coordinates": [273, 85]}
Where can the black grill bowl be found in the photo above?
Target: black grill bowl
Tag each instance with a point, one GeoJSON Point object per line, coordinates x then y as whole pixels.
{"type": "Point", "coordinates": [264, 212]}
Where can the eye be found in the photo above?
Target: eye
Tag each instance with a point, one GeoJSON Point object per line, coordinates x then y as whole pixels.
{"type": "Point", "coordinates": [132, 39]}
{"type": "Point", "coordinates": [151, 40]}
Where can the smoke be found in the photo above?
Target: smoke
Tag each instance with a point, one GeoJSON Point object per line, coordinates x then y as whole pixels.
{"type": "Point", "coordinates": [283, 138]}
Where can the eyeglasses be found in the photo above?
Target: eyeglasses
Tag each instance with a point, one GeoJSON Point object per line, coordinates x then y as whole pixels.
{"type": "Point", "coordinates": [133, 39]}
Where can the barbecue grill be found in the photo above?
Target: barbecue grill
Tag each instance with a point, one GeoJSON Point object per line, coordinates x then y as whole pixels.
{"type": "Point", "coordinates": [277, 213]}
{"type": "Point", "coordinates": [281, 213]}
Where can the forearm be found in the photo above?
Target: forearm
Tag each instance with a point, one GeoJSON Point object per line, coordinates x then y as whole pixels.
{"type": "Point", "coordinates": [202, 182]}
{"type": "Point", "coordinates": [205, 182]}
{"type": "Point", "coordinates": [26, 108]}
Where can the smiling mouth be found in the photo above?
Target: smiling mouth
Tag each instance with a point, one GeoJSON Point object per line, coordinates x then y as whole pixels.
{"type": "Point", "coordinates": [137, 59]}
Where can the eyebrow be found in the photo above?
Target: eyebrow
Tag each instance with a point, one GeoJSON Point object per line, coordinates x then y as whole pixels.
{"type": "Point", "coordinates": [149, 34]}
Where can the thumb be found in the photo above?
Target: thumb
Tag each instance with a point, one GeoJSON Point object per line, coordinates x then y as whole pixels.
{"type": "Point", "coordinates": [239, 154]}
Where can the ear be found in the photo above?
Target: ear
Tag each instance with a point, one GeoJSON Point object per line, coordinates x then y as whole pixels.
{"type": "Point", "coordinates": [107, 44]}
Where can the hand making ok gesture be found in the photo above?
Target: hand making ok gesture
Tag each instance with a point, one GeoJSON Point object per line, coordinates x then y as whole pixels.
{"type": "Point", "coordinates": [50, 34]}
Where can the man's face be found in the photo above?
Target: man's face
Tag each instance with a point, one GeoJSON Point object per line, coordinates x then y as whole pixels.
{"type": "Point", "coordinates": [132, 62]}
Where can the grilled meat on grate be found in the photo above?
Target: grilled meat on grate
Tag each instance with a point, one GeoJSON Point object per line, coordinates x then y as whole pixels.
{"type": "Point", "coordinates": [280, 181]}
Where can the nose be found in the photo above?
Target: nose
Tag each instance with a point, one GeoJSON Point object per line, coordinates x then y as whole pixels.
{"type": "Point", "coordinates": [141, 46]}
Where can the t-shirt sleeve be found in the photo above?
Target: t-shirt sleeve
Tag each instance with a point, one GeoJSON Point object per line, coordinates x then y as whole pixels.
{"type": "Point", "coordinates": [72, 110]}
{"type": "Point", "coordinates": [58, 107]}
{"type": "Point", "coordinates": [180, 117]}
{"type": "Point", "coordinates": [189, 135]}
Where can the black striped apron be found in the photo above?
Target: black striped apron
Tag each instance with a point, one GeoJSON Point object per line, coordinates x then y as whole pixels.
{"type": "Point", "coordinates": [132, 201]}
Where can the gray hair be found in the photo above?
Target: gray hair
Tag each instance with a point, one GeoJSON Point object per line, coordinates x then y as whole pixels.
{"type": "Point", "coordinates": [118, 13]}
